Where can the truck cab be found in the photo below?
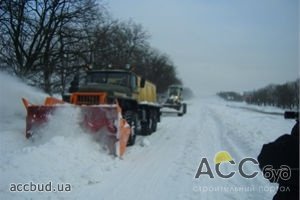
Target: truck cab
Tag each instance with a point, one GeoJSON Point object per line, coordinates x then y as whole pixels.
{"type": "Point", "coordinates": [175, 100]}
{"type": "Point", "coordinates": [135, 95]}
{"type": "Point", "coordinates": [174, 94]}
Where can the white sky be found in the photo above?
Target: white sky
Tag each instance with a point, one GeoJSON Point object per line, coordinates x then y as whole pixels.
{"type": "Point", "coordinates": [219, 45]}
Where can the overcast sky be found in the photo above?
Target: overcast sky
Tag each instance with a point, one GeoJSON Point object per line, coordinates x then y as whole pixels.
{"type": "Point", "coordinates": [218, 45]}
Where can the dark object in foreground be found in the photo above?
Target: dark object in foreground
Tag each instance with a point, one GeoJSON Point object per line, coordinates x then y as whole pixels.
{"type": "Point", "coordinates": [283, 152]}
{"type": "Point", "coordinates": [291, 115]}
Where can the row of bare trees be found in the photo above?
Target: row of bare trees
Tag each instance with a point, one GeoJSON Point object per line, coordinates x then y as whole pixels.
{"type": "Point", "coordinates": [45, 42]}
{"type": "Point", "coordinates": [285, 96]}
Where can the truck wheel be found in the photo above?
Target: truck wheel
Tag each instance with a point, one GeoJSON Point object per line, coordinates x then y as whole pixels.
{"type": "Point", "coordinates": [131, 119]}
{"type": "Point", "coordinates": [145, 128]}
{"type": "Point", "coordinates": [154, 122]}
{"type": "Point", "coordinates": [183, 110]}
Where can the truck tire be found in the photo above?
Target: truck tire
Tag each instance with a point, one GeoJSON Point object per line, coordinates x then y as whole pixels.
{"type": "Point", "coordinates": [150, 125]}
{"type": "Point", "coordinates": [183, 110]}
{"type": "Point", "coordinates": [145, 128]}
{"type": "Point", "coordinates": [131, 118]}
{"type": "Point", "coordinates": [154, 122]}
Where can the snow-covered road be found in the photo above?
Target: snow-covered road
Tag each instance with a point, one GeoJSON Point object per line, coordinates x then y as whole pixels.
{"type": "Point", "coordinates": [160, 166]}
{"type": "Point", "coordinates": [166, 168]}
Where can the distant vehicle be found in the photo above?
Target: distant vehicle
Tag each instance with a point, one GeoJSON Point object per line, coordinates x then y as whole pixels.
{"type": "Point", "coordinates": [175, 100]}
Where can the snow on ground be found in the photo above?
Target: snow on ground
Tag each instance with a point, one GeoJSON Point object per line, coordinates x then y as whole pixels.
{"type": "Point", "coordinates": [160, 166]}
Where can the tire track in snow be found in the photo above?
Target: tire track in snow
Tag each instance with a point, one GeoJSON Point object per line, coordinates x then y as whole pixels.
{"type": "Point", "coordinates": [166, 168]}
{"type": "Point", "coordinates": [160, 160]}
{"type": "Point", "coordinates": [239, 146]}
{"type": "Point", "coordinates": [211, 143]}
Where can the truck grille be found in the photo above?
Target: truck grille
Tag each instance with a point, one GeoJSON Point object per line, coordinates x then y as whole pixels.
{"type": "Point", "coordinates": [88, 100]}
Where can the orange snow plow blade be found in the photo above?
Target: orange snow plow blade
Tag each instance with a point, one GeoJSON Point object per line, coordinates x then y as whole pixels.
{"type": "Point", "coordinates": [104, 121]}
{"type": "Point", "coordinates": [37, 114]}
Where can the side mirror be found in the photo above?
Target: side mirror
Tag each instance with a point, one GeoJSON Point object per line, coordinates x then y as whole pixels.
{"type": "Point", "coordinates": [74, 84]}
{"type": "Point", "coordinates": [142, 83]}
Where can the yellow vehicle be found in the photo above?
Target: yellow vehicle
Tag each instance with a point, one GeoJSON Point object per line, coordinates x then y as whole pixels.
{"type": "Point", "coordinates": [175, 100]}
{"type": "Point", "coordinates": [117, 103]}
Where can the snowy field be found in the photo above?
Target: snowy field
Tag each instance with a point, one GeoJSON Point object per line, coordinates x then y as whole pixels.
{"type": "Point", "coordinates": [160, 166]}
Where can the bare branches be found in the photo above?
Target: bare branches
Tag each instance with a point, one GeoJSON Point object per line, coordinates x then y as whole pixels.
{"type": "Point", "coordinates": [48, 40]}
{"type": "Point", "coordinates": [32, 28]}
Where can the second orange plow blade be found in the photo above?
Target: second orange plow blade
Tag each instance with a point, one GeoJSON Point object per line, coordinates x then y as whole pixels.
{"type": "Point", "coordinates": [106, 121]}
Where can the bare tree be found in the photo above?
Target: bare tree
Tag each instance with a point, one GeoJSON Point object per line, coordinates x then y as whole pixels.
{"type": "Point", "coordinates": [32, 31]}
{"type": "Point", "coordinates": [48, 41]}
{"type": "Point", "coordinates": [118, 43]}
{"type": "Point", "coordinates": [285, 96]}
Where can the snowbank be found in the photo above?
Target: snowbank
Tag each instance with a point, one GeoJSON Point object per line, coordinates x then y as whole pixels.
{"type": "Point", "coordinates": [12, 90]}
{"type": "Point", "coordinates": [61, 152]}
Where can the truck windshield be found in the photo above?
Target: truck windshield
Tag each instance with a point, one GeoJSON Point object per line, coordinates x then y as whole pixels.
{"type": "Point", "coordinates": [174, 91]}
{"type": "Point", "coordinates": [112, 78]}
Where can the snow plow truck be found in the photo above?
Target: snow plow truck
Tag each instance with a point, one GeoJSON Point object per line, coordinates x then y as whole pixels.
{"type": "Point", "coordinates": [175, 100]}
{"type": "Point", "coordinates": [115, 104]}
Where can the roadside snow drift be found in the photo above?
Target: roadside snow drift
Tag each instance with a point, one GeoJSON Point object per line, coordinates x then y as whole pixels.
{"type": "Point", "coordinates": [61, 152]}
{"type": "Point", "coordinates": [64, 162]}
{"type": "Point", "coordinates": [12, 90]}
